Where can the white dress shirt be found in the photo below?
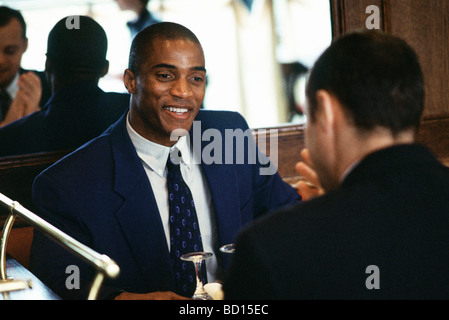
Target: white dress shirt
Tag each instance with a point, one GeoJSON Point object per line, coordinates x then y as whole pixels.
{"type": "Point", "coordinates": [154, 158]}
{"type": "Point", "coordinates": [12, 88]}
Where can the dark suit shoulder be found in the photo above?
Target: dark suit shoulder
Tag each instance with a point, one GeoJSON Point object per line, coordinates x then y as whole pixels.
{"type": "Point", "coordinates": [91, 157]}
{"type": "Point", "coordinates": [117, 97]}
{"type": "Point", "coordinates": [221, 119]}
{"type": "Point", "coordinates": [299, 220]}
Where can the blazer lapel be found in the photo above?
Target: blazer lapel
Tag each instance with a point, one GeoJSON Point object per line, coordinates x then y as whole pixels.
{"type": "Point", "coordinates": [225, 199]}
{"type": "Point", "coordinates": [222, 183]}
{"type": "Point", "coordinates": [139, 216]}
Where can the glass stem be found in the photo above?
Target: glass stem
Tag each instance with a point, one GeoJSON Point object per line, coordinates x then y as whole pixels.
{"type": "Point", "coordinates": [199, 282]}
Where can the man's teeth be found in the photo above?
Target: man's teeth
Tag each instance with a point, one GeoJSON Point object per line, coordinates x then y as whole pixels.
{"type": "Point", "coordinates": [177, 110]}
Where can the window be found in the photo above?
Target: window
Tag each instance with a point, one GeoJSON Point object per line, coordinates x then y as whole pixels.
{"type": "Point", "coordinates": [246, 49]}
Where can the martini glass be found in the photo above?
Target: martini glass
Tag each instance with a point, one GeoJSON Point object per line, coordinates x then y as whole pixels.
{"type": "Point", "coordinates": [228, 248]}
{"type": "Point", "coordinates": [197, 258]}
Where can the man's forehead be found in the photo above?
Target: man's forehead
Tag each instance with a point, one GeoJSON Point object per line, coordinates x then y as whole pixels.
{"type": "Point", "coordinates": [172, 43]}
{"type": "Point", "coordinates": [11, 31]}
{"type": "Point", "coordinates": [166, 51]}
{"type": "Point", "coordinates": [12, 25]}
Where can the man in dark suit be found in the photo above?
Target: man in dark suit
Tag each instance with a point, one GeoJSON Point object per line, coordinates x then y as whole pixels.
{"type": "Point", "coordinates": [21, 91]}
{"type": "Point", "coordinates": [112, 193]}
{"type": "Point", "coordinates": [381, 231]}
{"type": "Point", "coordinates": [78, 110]}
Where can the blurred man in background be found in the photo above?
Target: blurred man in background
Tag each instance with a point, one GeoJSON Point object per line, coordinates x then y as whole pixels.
{"type": "Point", "coordinates": [21, 92]}
{"type": "Point", "coordinates": [144, 17]}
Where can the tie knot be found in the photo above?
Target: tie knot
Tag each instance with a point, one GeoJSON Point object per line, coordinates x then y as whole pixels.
{"type": "Point", "coordinates": [174, 159]}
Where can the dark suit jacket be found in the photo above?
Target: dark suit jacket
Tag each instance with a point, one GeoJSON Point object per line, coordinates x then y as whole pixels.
{"type": "Point", "coordinates": [72, 116]}
{"type": "Point", "coordinates": [101, 196]}
{"type": "Point", "coordinates": [392, 212]}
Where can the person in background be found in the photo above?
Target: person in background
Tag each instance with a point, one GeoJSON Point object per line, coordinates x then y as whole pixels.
{"type": "Point", "coordinates": [144, 16]}
{"type": "Point", "coordinates": [78, 109]}
{"type": "Point", "coordinates": [381, 230]}
{"type": "Point", "coordinates": [120, 193]}
{"type": "Point", "coordinates": [21, 91]}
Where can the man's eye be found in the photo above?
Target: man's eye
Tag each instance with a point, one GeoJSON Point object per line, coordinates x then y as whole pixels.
{"type": "Point", "coordinates": [11, 50]}
{"type": "Point", "coordinates": [164, 76]}
{"type": "Point", "coordinates": [198, 79]}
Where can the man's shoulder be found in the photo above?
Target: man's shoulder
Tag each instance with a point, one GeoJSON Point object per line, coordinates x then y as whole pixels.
{"type": "Point", "coordinates": [24, 130]}
{"type": "Point", "coordinates": [117, 100]}
{"type": "Point", "coordinates": [38, 73]}
{"type": "Point", "coordinates": [217, 114]}
{"type": "Point", "coordinates": [116, 95]}
{"type": "Point", "coordinates": [307, 217]}
{"type": "Point", "coordinates": [90, 157]}
{"type": "Point", "coordinates": [221, 119]}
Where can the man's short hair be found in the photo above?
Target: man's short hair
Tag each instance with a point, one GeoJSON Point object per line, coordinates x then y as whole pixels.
{"type": "Point", "coordinates": [162, 30]}
{"type": "Point", "coordinates": [77, 44]}
{"type": "Point", "coordinates": [6, 14]}
{"type": "Point", "coordinates": [375, 76]}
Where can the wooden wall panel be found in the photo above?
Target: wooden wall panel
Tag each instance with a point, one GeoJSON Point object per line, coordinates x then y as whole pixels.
{"type": "Point", "coordinates": [424, 24]}
{"type": "Point", "coordinates": [348, 15]}
{"type": "Point", "coordinates": [288, 143]}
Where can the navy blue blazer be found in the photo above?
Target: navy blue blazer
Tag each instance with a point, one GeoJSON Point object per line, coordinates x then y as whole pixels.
{"type": "Point", "coordinates": [101, 196]}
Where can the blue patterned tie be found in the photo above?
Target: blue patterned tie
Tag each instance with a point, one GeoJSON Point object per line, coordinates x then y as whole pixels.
{"type": "Point", "coordinates": [185, 234]}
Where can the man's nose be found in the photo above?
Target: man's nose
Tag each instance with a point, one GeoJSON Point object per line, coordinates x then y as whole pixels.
{"type": "Point", "coordinates": [181, 88]}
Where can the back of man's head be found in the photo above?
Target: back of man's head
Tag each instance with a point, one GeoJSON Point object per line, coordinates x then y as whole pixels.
{"type": "Point", "coordinates": [77, 45]}
{"type": "Point", "coordinates": [375, 76]}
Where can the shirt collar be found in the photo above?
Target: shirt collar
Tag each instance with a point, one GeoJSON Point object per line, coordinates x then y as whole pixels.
{"type": "Point", "coordinates": [12, 88]}
{"type": "Point", "coordinates": [155, 155]}
{"type": "Point", "coordinates": [349, 170]}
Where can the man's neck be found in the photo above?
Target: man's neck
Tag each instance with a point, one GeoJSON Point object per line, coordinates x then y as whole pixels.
{"type": "Point", "coordinates": [363, 143]}
{"type": "Point", "coordinates": [58, 83]}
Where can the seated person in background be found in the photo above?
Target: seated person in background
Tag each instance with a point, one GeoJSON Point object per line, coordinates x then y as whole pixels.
{"type": "Point", "coordinates": [78, 110]}
{"type": "Point", "coordinates": [144, 17]}
{"type": "Point", "coordinates": [113, 193]}
{"type": "Point", "coordinates": [21, 92]}
{"type": "Point", "coordinates": [381, 231]}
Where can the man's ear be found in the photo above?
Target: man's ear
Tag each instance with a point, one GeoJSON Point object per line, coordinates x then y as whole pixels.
{"type": "Point", "coordinates": [48, 65]}
{"type": "Point", "coordinates": [25, 45]}
{"type": "Point", "coordinates": [326, 109]}
{"type": "Point", "coordinates": [105, 69]}
{"type": "Point", "coordinates": [129, 80]}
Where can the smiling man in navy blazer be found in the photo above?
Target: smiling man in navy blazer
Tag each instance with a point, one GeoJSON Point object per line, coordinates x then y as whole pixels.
{"type": "Point", "coordinates": [111, 193]}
